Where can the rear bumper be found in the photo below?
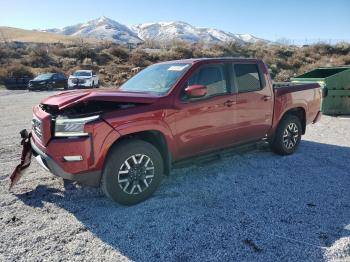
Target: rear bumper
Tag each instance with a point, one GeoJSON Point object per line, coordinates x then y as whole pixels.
{"type": "Point", "coordinates": [90, 178]}
{"type": "Point", "coordinates": [37, 87]}
{"type": "Point", "coordinates": [80, 86]}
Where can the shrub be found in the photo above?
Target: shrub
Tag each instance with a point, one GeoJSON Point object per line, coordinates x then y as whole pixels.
{"type": "Point", "coordinates": [182, 52]}
{"type": "Point", "coordinates": [103, 58]}
{"type": "Point", "coordinates": [119, 52]}
{"type": "Point", "coordinates": [15, 70]}
{"type": "Point", "coordinates": [139, 58]}
{"type": "Point", "coordinates": [38, 58]}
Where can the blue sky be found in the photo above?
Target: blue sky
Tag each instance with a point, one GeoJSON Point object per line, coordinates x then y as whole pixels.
{"type": "Point", "coordinates": [300, 21]}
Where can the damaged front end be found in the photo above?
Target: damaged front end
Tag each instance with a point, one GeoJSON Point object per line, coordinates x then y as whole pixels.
{"type": "Point", "coordinates": [26, 158]}
{"type": "Point", "coordinates": [70, 136]}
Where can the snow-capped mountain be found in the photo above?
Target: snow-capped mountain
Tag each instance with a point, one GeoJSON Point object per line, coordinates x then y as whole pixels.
{"type": "Point", "coordinates": [102, 28]}
{"type": "Point", "coordinates": [107, 29]}
{"type": "Point", "coordinates": [165, 31]}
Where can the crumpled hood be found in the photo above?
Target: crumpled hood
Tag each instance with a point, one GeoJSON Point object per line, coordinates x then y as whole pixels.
{"type": "Point", "coordinates": [68, 99]}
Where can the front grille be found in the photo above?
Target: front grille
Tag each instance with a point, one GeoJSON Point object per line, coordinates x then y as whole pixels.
{"type": "Point", "coordinates": [78, 81]}
{"type": "Point", "coordinates": [37, 127]}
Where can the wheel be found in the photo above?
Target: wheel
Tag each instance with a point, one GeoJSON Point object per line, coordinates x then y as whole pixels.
{"type": "Point", "coordinates": [287, 136]}
{"type": "Point", "coordinates": [133, 172]}
{"type": "Point", "coordinates": [65, 87]}
{"type": "Point", "coordinates": [49, 87]}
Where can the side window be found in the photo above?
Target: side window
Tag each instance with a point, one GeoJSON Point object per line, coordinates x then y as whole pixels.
{"type": "Point", "coordinates": [55, 77]}
{"type": "Point", "coordinates": [62, 77]}
{"type": "Point", "coordinates": [211, 76]}
{"type": "Point", "coordinates": [248, 77]}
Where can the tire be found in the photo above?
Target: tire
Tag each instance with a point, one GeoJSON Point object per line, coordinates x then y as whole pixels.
{"type": "Point", "coordinates": [288, 135]}
{"type": "Point", "coordinates": [134, 184]}
{"type": "Point", "coordinates": [49, 87]}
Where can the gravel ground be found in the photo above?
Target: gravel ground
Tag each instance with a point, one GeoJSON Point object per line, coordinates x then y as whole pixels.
{"type": "Point", "coordinates": [255, 206]}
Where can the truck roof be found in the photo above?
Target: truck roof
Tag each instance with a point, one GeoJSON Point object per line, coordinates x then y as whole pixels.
{"type": "Point", "coordinates": [218, 59]}
{"type": "Point", "coordinates": [83, 70]}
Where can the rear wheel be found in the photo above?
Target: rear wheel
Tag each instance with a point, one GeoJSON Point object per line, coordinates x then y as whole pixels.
{"type": "Point", "coordinates": [287, 136]}
{"type": "Point", "coordinates": [133, 172]}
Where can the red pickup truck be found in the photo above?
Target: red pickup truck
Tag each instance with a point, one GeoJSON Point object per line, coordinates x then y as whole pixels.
{"type": "Point", "coordinates": [126, 140]}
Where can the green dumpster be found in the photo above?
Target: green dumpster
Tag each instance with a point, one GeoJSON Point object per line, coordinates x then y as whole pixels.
{"type": "Point", "coordinates": [335, 85]}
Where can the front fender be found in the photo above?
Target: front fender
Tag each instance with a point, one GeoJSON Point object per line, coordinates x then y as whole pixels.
{"type": "Point", "coordinates": [149, 125]}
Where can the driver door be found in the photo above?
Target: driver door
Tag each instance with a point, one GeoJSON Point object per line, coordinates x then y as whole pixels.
{"type": "Point", "coordinates": [206, 123]}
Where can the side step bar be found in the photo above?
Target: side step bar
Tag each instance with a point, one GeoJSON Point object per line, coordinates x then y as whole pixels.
{"type": "Point", "coordinates": [219, 154]}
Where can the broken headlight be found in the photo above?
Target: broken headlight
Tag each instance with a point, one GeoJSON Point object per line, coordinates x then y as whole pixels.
{"type": "Point", "coordinates": [72, 127]}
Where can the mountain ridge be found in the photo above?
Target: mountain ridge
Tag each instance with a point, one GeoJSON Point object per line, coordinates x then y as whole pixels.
{"type": "Point", "coordinates": [104, 28]}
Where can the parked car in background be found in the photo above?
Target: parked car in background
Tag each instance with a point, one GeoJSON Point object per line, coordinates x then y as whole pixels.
{"type": "Point", "coordinates": [83, 79]}
{"type": "Point", "coordinates": [125, 140]}
{"type": "Point", "coordinates": [48, 81]}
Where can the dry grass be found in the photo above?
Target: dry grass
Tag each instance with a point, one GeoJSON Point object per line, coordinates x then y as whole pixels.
{"type": "Point", "coordinates": [21, 35]}
{"type": "Point", "coordinates": [114, 62]}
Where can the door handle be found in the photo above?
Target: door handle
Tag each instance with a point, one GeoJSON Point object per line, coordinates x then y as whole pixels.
{"type": "Point", "coordinates": [229, 103]}
{"type": "Point", "coordinates": [266, 98]}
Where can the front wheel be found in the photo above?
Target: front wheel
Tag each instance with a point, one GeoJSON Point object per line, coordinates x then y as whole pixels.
{"type": "Point", "coordinates": [133, 172]}
{"type": "Point", "coordinates": [49, 87]}
{"type": "Point", "coordinates": [287, 136]}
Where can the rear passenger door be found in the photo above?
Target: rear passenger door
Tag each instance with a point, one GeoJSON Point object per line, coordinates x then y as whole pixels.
{"type": "Point", "coordinates": [254, 106]}
{"type": "Point", "coordinates": [206, 123]}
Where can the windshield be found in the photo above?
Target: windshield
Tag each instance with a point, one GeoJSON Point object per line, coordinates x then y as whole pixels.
{"type": "Point", "coordinates": [43, 77]}
{"type": "Point", "coordinates": [82, 73]}
{"type": "Point", "coordinates": [158, 78]}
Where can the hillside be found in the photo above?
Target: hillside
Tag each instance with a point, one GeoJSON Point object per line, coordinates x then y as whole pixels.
{"type": "Point", "coordinates": [114, 62]}
{"type": "Point", "coordinates": [11, 34]}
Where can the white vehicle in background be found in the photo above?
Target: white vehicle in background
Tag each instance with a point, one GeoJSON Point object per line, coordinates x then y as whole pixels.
{"type": "Point", "coordinates": [83, 79]}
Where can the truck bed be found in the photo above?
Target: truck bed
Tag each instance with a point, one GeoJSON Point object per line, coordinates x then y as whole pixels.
{"type": "Point", "coordinates": [281, 88]}
{"type": "Point", "coordinates": [286, 84]}
{"type": "Point", "coordinates": [293, 95]}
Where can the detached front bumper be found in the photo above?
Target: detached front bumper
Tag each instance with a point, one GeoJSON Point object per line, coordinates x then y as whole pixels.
{"type": "Point", "coordinates": [90, 179]}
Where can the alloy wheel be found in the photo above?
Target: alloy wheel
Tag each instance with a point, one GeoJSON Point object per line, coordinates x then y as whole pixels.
{"type": "Point", "coordinates": [136, 174]}
{"type": "Point", "coordinates": [290, 136]}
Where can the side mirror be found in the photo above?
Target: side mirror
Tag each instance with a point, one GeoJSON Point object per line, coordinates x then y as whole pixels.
{"type": "Point", "coordinates": [196, 91]}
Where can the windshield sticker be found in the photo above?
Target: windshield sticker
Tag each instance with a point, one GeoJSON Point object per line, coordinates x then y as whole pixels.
{"type": "Point", "coordinates": [177, 68]}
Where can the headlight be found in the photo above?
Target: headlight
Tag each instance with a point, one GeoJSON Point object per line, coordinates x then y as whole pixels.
{"type": "Point", "coordinates": [66, 127]}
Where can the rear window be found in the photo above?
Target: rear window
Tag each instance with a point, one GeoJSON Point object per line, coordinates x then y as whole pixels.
{"type": "Point", "coordinates": [248, 77]}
